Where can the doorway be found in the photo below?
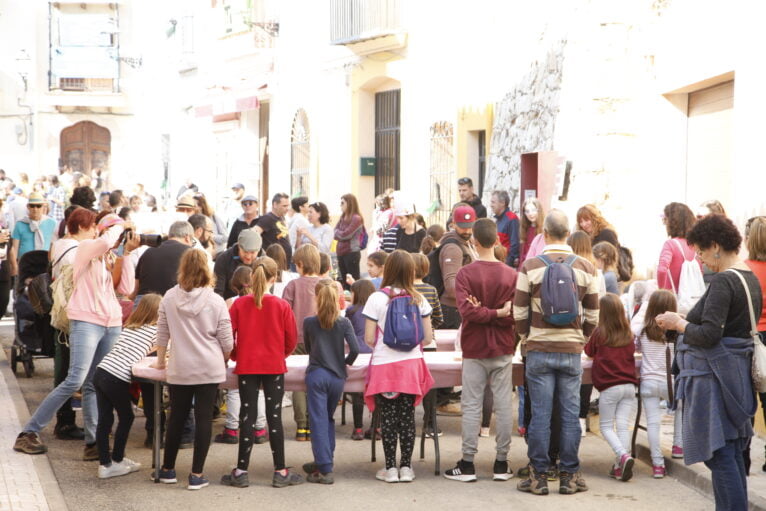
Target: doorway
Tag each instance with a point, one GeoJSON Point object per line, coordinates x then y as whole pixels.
{"type": "Point", "coordinates": [387, 123]}
{"type": "Point", "coordinates": [86, 148]}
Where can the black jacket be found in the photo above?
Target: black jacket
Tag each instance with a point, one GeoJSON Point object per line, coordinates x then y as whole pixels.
{"type": "Point", "coordinates": [475, 203]}
{"type": "Point", "coordinates": [236, 228]}
{"type": "Point", "coordinates": [225, 265]}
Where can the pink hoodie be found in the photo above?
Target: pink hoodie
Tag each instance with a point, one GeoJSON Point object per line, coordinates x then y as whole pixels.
{"type": "Point", "coordinates": [93, 299]}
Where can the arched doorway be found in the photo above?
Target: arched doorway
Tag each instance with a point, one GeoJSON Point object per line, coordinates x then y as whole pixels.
{"type": "Point", "coordinates": [300, 155]}
{"type": "Point", "coordinates": [86, 147]}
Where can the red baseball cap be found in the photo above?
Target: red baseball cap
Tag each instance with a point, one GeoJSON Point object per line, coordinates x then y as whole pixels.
{"type": "Point", "coordinates": [464, 217]}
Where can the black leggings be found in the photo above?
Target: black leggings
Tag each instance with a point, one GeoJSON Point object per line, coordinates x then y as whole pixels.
{"type": "Point", "coordinates": [112, 394]}
{"type": "Point", "coordinates": [273, 390]}
{"type": "Point", "coordinates": [181, 397]}
{"type": "Point", "coordinates": [348, 263]}
{"type": "Point", "coordinates": [397, 420]}
{"type": "Point", "coordinates": [65, 416]}
{"type": "Point", "coordinates": [357, 409]}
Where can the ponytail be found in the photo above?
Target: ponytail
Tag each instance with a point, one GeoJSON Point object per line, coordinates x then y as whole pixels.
{"type": "Point", "coordinates": [264, 270]}
{"type": "Point", "coordinates": [327, 303]}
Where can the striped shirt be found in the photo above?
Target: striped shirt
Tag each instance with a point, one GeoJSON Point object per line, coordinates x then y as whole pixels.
{"type": "Point", "coordinates": [429, 293]}
{"type": "Point", "coordinates": [388, 244]}
{"type": "Point", "coordinates": [653, 362]}
{"type": "Point", "coordinates": [535, 332]}
{"type": "Point", "coordinates": [131, 347]}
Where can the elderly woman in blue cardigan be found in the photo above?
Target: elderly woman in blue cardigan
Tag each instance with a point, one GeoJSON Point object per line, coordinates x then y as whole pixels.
{"type": "Point", "coordinates": [713, 361]}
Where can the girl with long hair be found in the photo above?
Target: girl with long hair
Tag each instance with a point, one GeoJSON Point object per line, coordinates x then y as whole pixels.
{"type": "Point", "coordinates": [348, 233]}
{"type": "Point", "coordinates": [678, 219]}
{"type": "Point", "coordinates": [531, 229]}
{"type": "Point", "coordinates": [397, 380]}
{"type": "Point", "coordinates": [325, 336]}
{"type": "Point", "coordinates": [614, 375]}
{"type": "Point", "coordinates": [260, 354]}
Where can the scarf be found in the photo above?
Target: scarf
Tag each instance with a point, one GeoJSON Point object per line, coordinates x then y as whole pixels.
{"type": "Point", "coordinates": [34, 226]}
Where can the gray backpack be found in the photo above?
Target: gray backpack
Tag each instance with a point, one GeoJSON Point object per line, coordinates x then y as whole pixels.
{"type": "Point", "coordinates": [558, 291]}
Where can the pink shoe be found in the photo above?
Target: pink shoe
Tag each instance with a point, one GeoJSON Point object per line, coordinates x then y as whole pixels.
{"type": "Point", "coordinates": [626, 467]}
{"type": "Point", "coordinates": [522, 431]}
{"type": "Point", "coordinates": [615, 473]}
{"type": "Point", "coordinates": [677, 452]}
{"type": "Point", "coordinates": [658, 471]}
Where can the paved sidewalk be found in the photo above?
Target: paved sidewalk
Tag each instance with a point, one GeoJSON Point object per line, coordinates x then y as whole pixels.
{"type": "Point", "coordinates": [24, 478]}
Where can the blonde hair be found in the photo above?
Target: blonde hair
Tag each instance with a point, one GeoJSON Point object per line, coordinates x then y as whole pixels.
{"type": "Point", "coordinates": [307, 257]}
{"type": "Point", "coordinates": [327, 303]}
{"type": "Point", "coordinates": [756, 239]}
{"type": "Point", "coordinates": [581, 245]}
{"type": "Point", "coordinates": [613, 323]}
{"type": "Point", "coordinates": [526, 224]}
{"type": "Point", "coordinates": [606, 253]}
{"type": "Point", "coordinates": [146, 312]}
{"type": "Point", "coordinates": [194, 272]}
{"type": "Point", "coordinates": [265, 269]}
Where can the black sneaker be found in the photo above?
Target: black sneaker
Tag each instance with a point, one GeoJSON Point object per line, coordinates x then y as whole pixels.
{"type": "Point", "coordinates": [291, 479]}
{"type": "Point", "coordinates": [464, 471]}
{"type": "Point", "coordinates": [536, 483]}
{"type": "Point", "coordinates": [571, 483]}
{"type": "Point", "coordinates": [69, 432]}
{"type": "Point", "coordinates": [501, 471]}
{"type": "Point", "coordinates": [240, 481]}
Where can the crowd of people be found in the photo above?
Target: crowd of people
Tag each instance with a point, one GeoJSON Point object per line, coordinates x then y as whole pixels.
{"type": "Point", "coordinates": [253, 289]}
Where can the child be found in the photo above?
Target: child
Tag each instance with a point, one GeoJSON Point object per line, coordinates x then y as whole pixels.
{"type": "Point", "coordinates": [360, 292]}
{"type": "Point", "coordinates": [324, 336]}
{"type": "Point", "coordinates": [606, 261]}
{"type": "Point", "coordinates": [299, 294]}
{"type": "Point", "coordinates": [614, 375]}
{"type": "Point", "coordinates": [325, 265]}
{"type": "Point", "coordinates": [260, 354]}
{"type": "Point", "coordinates": [276, 252]}
{"type": "Point", "coordinates": [396, 380]}
{"type": "Point", "coordinates": [241, 283]}
{"type": "Point", "coordinates": [375, 263]}
{"type": "Point", "coordinates": [112, 381]}
{"type": "Point", "coordinates": [433, 236]}
{"type": "Point", "coordinates": [652, 342]}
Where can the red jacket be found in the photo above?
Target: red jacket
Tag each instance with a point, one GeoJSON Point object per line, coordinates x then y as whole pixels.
{"type": "Point", "coordinates": [611, 366]}
{"type": "Point", "coordinates": [263, 338]}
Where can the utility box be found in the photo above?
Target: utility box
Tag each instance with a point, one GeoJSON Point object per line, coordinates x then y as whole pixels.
{"type": "Point", "coordinates": [367, 167]}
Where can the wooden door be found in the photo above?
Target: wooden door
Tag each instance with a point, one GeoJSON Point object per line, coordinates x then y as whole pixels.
{"type": "Point", "coordinates": [86, 147]}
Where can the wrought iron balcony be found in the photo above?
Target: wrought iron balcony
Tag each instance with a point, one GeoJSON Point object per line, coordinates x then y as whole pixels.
{"type": "Point", "coordinates": [355, 21]}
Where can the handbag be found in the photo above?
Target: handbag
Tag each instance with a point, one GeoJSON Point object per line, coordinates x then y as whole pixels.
{"type": "Point", "coordinates": [759, 349]}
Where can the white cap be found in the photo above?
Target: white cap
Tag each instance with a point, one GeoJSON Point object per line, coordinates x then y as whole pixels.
{"type": "Point", "coordinates": [404, 209]}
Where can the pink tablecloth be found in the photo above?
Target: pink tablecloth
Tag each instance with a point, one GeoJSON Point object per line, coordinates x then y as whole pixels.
{"type": "Point", "coordinates": [445, 368]}
{"type": "Point", "coordinates": [445, 339]}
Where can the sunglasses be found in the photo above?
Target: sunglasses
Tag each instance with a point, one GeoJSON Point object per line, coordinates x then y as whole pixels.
{"type": "Point", "coordinates": [249, 203]}
{"type": "Point", "coordinates": [465, 181]}
{"type": "Point", "coordinates": [34, 205]}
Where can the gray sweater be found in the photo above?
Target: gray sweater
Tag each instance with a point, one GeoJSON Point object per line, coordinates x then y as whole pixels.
{"type": "Point", "coordinates": [325, 346]}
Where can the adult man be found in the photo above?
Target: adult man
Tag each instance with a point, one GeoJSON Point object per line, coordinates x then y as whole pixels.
{"type": "Point", "coordinates": [465, 190]}
{"type": "Point", "coordinates": [203, 232]}
{"type": "Point", "coordinates": [272, 225]}
{"type": "Point", "coordinates": [300, 206]}
{"type": "Point", "coordinates": [507, 225]}
{"type": "Point", "coordinates": [248, 219]}
{"type": "Point", "coordinates": [484, 291]}
{"type": "Point", "coordinates": [232, 208]}
{"type": "Point", "coordinates": [186, 205]}
{"type": "Point", "coordinates": [56, 198]}
{"type": "Point", "coordinates": [103, 202]}
{"type": "Point", "coordinates": [156, 270]}
{"type": "Point", "coordinates": [32, 232]}
{"type": "Point", "coordinates": [244, 252]}
{"type": "Point", "coordinates": [553, 357]}
{"type": "Point", "coordinates": [17, 207]}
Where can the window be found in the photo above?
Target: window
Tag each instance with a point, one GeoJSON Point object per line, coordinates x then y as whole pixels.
{"type": "Point", "coordinates": [300, 152]}
{"type": "Point", "coordinates": [442, 172]}
{"type": "Point", "coordinates": [84, 45]}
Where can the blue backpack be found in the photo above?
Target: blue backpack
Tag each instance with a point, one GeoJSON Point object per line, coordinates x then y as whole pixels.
{"type": "Point", "coordinates": [559, 298]}
{"type": "Point", "coordinates": [404, 326]}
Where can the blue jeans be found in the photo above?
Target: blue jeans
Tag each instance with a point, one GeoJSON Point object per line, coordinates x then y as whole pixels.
{"type": "Point", "coordinates": [728, 475]}
{"type": "Point", "coordinates": [323, 389]}
{"type": "Point", "coordinates": [548, 373]}
{"type": "Point", "coordinates": [88, 344]}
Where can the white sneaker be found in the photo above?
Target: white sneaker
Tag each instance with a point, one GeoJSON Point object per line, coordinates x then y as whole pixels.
{"type": "Point", "coordinates": [406, 475]}
{"type": "Point", "coordinates": [583, 427]}
{"type": "Point", "coordinates": [390, 475]}
{"type": "Point", "coordinates": [113, 470]}
{"type": "Point", "coordinates": [484, 432]}
{"type": "Point", "coordinates": [133, 465]}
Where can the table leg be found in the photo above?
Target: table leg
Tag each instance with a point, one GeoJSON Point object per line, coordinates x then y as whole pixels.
{"type": "Point", "coordinates": [157, 435]}
{"type": "Point", "coordinates": [435, 426]}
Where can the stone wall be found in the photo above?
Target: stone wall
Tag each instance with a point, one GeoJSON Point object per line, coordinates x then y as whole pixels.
{"type": "Point", "coordinates": [524, 122]}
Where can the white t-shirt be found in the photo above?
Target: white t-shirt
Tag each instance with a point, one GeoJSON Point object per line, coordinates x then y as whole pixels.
{"type": "Point", "coordinates": [58, 249]}
{"type": "Point", "coordinates": [376, 309]}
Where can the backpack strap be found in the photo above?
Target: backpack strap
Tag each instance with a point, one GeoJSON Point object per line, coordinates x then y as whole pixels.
{"type": "Point", "coordinates": [569, 261]}
{"type": "Point", "coordinates": [681, 249]}
{"type": "Point", "coordinates": [544, 258]}
{"type": "Point", "coordinates": [62, 256]}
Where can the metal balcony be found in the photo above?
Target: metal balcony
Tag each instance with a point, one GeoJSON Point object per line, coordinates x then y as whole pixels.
{"type": "Point", "coordinates": [355, 21]}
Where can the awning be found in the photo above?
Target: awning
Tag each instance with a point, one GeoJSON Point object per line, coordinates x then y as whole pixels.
{"type": "Point", "coordinates": [231, 103]}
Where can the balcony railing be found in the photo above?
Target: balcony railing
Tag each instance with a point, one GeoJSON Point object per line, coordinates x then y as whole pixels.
{"type": "Point", "coordinates": [354, 21]}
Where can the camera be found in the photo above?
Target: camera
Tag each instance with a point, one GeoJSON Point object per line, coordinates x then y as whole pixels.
{"type": "Point", "coordinates": [149, 240]}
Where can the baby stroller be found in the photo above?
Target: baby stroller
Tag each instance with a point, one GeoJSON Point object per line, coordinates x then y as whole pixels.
{"type": "Point", "coordinates": [33, 333]}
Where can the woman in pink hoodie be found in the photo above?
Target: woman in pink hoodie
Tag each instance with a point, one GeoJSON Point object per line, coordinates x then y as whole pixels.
{"type": "Point", "coordinates": [198, 321]}
{"type": "Point", "coordinates": [95, 322]}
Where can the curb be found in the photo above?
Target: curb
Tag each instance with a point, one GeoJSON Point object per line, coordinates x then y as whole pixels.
{"type": "Point", "coordinates": [48, 481]}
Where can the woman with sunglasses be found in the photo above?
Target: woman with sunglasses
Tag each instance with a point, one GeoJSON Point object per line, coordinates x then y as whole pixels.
{"type": "Point", "coordinates": [348, 233]}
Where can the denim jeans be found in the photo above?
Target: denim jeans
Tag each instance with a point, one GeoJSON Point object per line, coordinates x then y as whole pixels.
{"type": "Point", "coordinates": [652, 391]}
{"type": "Point", "coordinates": [616, 409]}
{"type": "Point", "coordinates": [548, 373]}
{"type": "Point", "coordinates": [728, 475]}
{"type": "Point", "coordinates": [324, 391]}
{"type": "Point", "coordinates": [233, 405]}
{"type": "Point", "coordinates": [88, 344]}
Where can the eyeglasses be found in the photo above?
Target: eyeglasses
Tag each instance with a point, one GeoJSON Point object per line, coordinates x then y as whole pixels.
{"type": "Point", "coordinates": [34, 205]}
{"type": "Point", "coordinates": [465, 181]}
{"type": "Point", "coordinates": [248, 203]}
{"type": "Point", "coordinates": [209, 231]}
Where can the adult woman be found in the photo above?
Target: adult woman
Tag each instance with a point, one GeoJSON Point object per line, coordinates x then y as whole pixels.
{"type": "Point", "coordinates": [410, 234]}
{"type": "Point", "coordinates": [678, 219]}
{"type": "Point", "coordinates": [755, 236]}
{"type": "Point", "coordinates": [198, 321]}
{"type": "Point", "coordinates": [397, 380]}
{"type": "Point", "coordinates": [95, 320]}
{"type": "Point", "coordinates": [531, 231]}
{"type": "Point", "coordinates": [713, 380]}
{"type": "Point", "coordinates": [347, 232]}
{"type": "Point", "coordinates": [590, 220]}
{"type": "Point", "coordinates": [78, 228]}
{"type": "Point", "coordinates": [710, 207]}
{"type": "Point", "coordinates": [219, 226]}
{"type": "Point", "coordinates": [320, 233]}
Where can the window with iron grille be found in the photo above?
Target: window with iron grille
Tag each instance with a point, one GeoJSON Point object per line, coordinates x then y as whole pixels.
{"type": "Point", "coordinates": [300, 152]}
{"type": "Point", "coordinates": [387, 143]}
{"type": "Point", "coordinates": [442, 172]}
